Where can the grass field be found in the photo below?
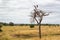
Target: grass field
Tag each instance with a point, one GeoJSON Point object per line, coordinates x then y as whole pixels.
{"type": "Point", "coordinates": [27, 33]}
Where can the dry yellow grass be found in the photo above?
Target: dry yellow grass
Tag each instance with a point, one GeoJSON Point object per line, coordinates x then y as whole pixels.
{"type": "Point", "coordinates": [27, 33]}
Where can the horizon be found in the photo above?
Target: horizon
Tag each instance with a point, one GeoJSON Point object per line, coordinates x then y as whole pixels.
{"type": "Point", "coordinates": [25, 23]}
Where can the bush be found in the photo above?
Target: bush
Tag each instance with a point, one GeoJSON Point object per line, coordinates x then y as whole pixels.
{"type": "Point", "coordinates": [11, 24]}
{"type": "Point", "coordinates": [5, 24]}
{"type": "Point", "coordinates": [32, 26]}
{"type": "Point", "coordinates": [0, 27]}
{"type": "Point", "coordinates": [21, 24]}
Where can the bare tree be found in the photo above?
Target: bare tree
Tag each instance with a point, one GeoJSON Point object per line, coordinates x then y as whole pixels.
{"type": "Point", "coordinates": [37, 16]}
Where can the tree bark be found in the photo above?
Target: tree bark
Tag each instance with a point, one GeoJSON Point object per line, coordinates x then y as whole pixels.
{"type": "Point", "coordinates": [40, 30]}
{"type": "Point", "coordinates": [40, 27]}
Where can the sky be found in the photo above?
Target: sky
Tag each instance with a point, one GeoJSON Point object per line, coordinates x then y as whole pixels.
{"type": "Point", "coordinates": [18, 11]}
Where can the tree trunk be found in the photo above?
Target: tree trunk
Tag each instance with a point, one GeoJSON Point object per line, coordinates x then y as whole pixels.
{"type": "Point", "coordinates": [40, 27]}
{"type": "Point", "coordinates": [40, 30]}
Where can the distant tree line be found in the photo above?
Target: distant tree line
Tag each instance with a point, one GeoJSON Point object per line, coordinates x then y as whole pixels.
{"type": "Point", "coordinates": [13, 24]}
{"type": "Point", "coordinates": [7, 24]}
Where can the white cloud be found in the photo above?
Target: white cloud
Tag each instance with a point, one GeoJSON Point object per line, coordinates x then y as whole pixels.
{"type": "Point", "coordinates": [42, 2]}
{"type": "Point", "coordinates": [17, 11]}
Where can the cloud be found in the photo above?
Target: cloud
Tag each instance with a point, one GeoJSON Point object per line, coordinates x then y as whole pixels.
{"type": "Point", "coordinates": [57, 0]}
{"type": "Point", "coordinates": [17, 11]}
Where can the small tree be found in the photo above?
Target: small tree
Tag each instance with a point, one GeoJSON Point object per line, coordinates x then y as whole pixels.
{"type": "Point", "coordinates": [11, 24]}
{"type": "Point", "coordinates": [37, 16]}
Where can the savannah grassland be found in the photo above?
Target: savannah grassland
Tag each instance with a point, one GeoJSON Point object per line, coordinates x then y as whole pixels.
{"type": "Point", "coordinates": [27, 33]}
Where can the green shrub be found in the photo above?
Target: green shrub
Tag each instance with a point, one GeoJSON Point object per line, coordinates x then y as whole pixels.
{"type": "Point", "coordinates": [21, 24]}
{"type": "Point", "coordinates": [0, 27]}
{"type": "Point", "coordinates": [32, 26]}
{"type": "Point", "coordinates": [5, 24]}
